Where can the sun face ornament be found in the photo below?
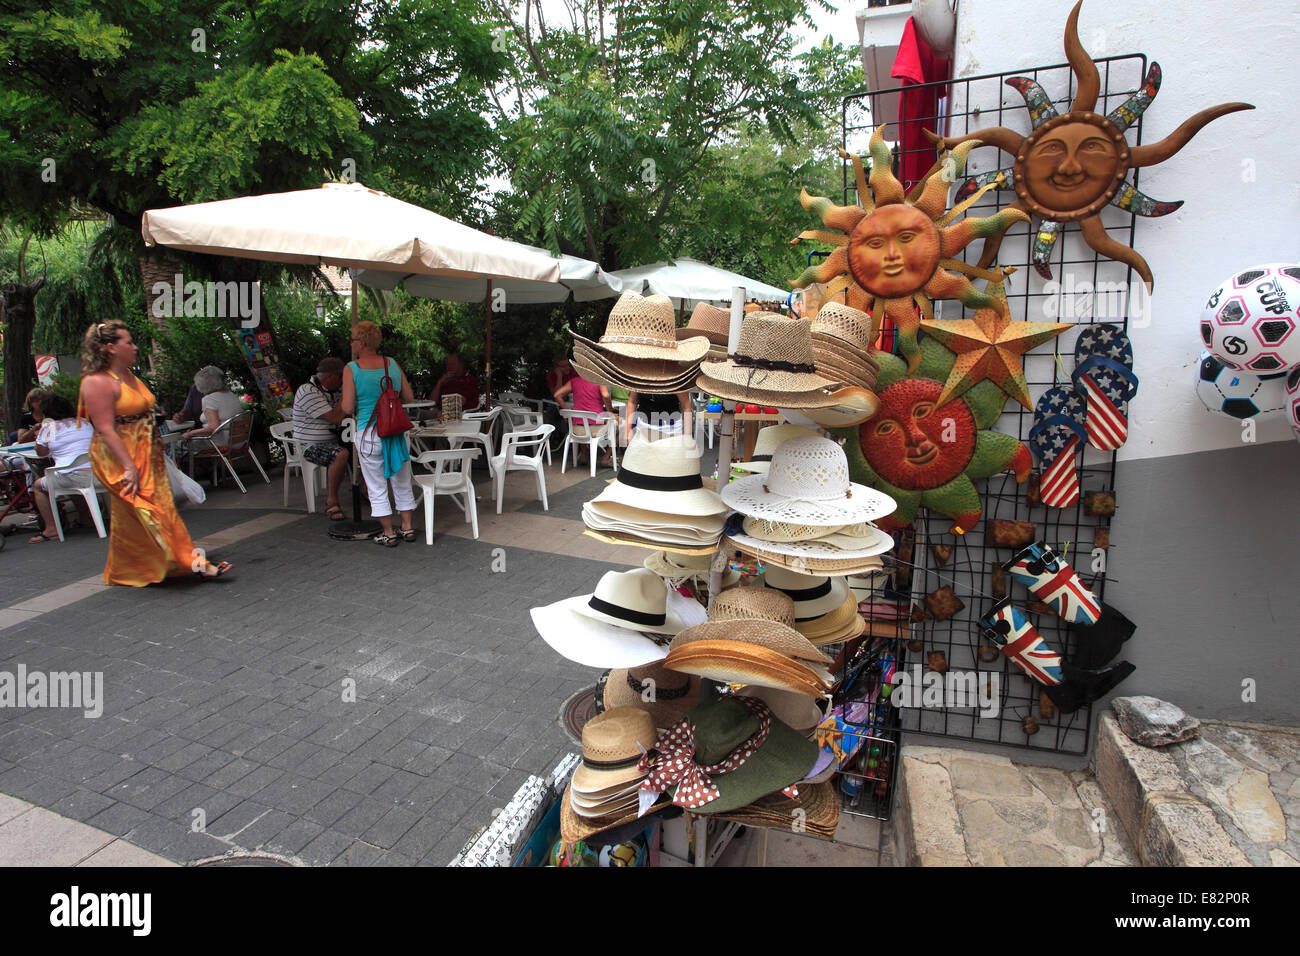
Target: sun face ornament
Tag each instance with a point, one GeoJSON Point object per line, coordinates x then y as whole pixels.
{"type": "Point", "coordinates": [923, 454]}
{"type": "Point", "coordinates": [895, 252]}
{"type": "Point", "coordinates": [1072, 165]}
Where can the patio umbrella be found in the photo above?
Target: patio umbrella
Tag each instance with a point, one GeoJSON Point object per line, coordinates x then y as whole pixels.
{"type": "Point", "coordinates": [690, 282]}
{"type": "Point", "coordinates": [348, 225]}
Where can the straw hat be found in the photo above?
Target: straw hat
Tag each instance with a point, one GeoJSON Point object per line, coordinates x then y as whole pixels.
{"type": "Point", "coordinates": [773, 357]}
{"type": "Point", "coordinates": [711, 322]}
{"type": "Point", "coordinates": [818, 804]}
{"type": "Point", "coordinates": [807, 483]}
{"type": "Point", "coordinates": [809, 557]}
{"type": "Point", "coordinates": [845, 407]}
{"type": "Point", "coordinates": [799, 711]}
{"type": "Point", "coordinates": [672, 694]}
{"type": "Point", "coordinates": [636, 370]}
{"type": "Point", "coordinates": [636, 600]}
{"type": "Point", "coordinates": [677, 569]}
{"type": "Point", "coordinates": [613, 516]}
{"type": "Point", "coordinates": [644, 327]}
{"type": "Point", "coordinates": [844, 329]}
{"type": "Point", "coordinates": [811, 594]}
{"type": "Point", "coordinates": [847, 538]}
{"type": "Point", "coordinates": [769, 621]}
{"type": "Point", "coordinates": [769, 439]}
{"type": "Point", "coordinates": [741, 662]}
{"type": "Point", "coordinates": [612, 745]}
{"type": "Point", "coordinates": [662, 475]}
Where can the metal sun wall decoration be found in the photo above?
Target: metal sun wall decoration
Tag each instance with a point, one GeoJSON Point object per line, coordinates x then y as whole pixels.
{"type": "Point", "coordinates": [895, 251]}
{"type": "Point", "coordinates": [1070, 166]}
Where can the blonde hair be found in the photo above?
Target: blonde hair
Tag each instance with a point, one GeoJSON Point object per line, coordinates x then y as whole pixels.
{"type": "Point", "coordinates": [368, 333]}
{"type": "Point", "coordinates": [94, 347]}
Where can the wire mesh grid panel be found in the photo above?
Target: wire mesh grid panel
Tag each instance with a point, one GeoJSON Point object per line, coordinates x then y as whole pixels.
{"type": "Point", "coordinates": [1066, 282]}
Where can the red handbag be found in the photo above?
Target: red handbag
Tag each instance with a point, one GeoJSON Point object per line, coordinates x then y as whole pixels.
{"type": "Point", "coordinates": [389, 417]}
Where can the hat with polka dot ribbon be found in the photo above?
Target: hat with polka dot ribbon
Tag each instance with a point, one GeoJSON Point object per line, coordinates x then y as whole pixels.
{"type": "Point", "coordinates": [726, 753]}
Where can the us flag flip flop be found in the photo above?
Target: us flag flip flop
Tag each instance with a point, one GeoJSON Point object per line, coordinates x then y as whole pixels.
{"type": "Point", "coordinates": [1103, 374]}
{"type": "Point", "coordinates": [1058, 432]}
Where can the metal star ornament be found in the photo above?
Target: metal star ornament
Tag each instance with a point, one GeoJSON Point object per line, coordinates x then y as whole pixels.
{"type": "Point", "coordinates": [990, 347]}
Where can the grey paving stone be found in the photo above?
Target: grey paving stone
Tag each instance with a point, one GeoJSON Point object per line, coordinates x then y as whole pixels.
{"type": "Point", "coordinates": [361, 817]}
{"type": "Point", "coordinates": [254, 782]}
{"type": "Point", "coordinates": [294, 837]}
{"type": "Point", "coordinates": [82, 804]}
{"type": "Point", "coordinates": [359, 854]}
{"type": "Point", "coordinates": [390, 828]}
{"type": "Point", "coordinates": [335, 804]}
{"type": "Point", "coordinates": [422, 838]}
{"type": "Point", "coordinates": [325, 848]}
{"type": "Point", "coordinates": [156, 835]}
{"type": "Point", "coordinates": [119, 819]}
{"type": "Point", "coordinates": [228, 826]}
{"type": "Point", "coordinates": [191, 847]}
{"type": "Point", "coordinates": [230, 774]}
{"type": "Point", "coordinates": [265, 828]}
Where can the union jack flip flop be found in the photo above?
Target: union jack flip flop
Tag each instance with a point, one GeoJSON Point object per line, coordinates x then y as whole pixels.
{"type": "Point", "coordinates": [1055, 583]}
{"type": "Point", "coordinates": [1058, 432]}
{"type": "Point", "coordinates": [1008, 627]}
{"type": "Point", "coordinates": [1103, 374]}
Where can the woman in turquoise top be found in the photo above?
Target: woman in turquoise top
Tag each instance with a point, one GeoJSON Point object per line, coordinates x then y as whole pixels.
{"type": "Point", "coordinates": [383, 460]}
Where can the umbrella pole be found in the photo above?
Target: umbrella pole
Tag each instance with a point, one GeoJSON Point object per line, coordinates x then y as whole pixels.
{"type": "Point", "coordinates": [487, 370]}
{"type": "Point", "coordinates": [356, 529]}
{"type": "Point", "coordinates": [726, 439]}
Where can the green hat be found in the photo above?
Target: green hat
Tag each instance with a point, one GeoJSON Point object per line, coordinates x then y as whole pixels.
{"type": "Point", "coordinates": [723, 724]}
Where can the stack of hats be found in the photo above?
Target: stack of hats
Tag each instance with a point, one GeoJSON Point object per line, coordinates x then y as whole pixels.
{"type": "Point", "coordinates": [623, 623]}
{"type": "Point", "coordinates": [818, 802]}
{"type": "Point", "coordinates": [640, 350]}
{"type": "Point", "coordinates": [825, 608]}
{"type": "Point", "coordinates": [773, 365]}
{"type": "Point", "coordinates": [841, 338]}
{"type": "Point", "coordinates": [805, 514]}
{"type": "Point", "coordinates": [663, 694]}
{"type": "Point", "coordinates": [604, 790]}
{"type": "Point", "coordinates": [658, 499]}
{"type": "Point", "coordinates": [769, 439]}
{"type": "Point", "coordinates": [714, 324]}
{"type": "Point", "coordinates": [750, 638]}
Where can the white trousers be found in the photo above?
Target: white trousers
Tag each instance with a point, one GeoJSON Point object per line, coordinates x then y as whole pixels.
{"type": "Point", "coordinates": [370, 454]}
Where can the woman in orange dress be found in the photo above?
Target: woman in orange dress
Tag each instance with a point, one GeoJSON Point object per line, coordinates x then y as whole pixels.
{"type": "Point", "coordinates": [147, 539]}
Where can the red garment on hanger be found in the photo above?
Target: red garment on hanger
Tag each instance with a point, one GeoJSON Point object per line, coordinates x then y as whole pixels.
{"type": "Point", "coordinates": [916, 63]}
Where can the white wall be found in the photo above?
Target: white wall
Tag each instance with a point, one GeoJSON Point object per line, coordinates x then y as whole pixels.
{"type": "Point", "coordinates": [1211, 52]}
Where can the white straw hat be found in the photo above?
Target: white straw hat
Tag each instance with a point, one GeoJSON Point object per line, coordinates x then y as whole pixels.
{"type": "Point", "coordinates": [807, 483]}
{"type": "Point", "coordinates": [769, 439]}
{"type": "Point", "coordinates": [635, 599]}
{"type": "Point", "coordinates": [663, 475]}
{"type": "Point", "coordinates": [813, 594]}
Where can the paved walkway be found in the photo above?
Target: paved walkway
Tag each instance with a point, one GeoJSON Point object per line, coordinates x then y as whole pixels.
{"type": "Point", "coordinates": [331, 702]}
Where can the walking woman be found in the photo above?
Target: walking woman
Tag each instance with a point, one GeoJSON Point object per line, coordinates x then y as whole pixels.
{"type": "Point", "coordinates": [147, 540]}
{"type": "Point", "coordinates": [383, 460]}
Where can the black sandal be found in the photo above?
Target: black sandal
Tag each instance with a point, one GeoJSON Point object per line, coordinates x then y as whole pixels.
{"type": "Point", "coordinates": [222, 568]}
{"type": "Point", "coordinates": [334, 513]}
{"type": "Point", "coordinates": [388, 540]}
{"type": "Point", "coordinates": [408, 534]}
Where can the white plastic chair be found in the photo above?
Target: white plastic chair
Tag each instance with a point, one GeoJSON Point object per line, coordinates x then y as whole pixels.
{"type": "Point", "coordinates": [451, 475]}
{"type": "Point", "coordinates": [286, 413]}
{"type": "Point", "coordinates": [592, 430]}
{"type": "Point", "coordinates": [57, 489]}
{"type": "Point", "coordinates": [513, 457]}
{"type": "Point", "coordinates": [240, 430]}
{"type": "Point", "coordinates": [485, 421]}
{"type": "Point", "coordinates": [519, 418]}
{"type": "Point", "coordinates": [313, 475]}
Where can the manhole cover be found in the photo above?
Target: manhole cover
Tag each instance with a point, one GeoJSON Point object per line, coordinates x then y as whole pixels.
{"type": "Point", "coordinates": [576, 711]}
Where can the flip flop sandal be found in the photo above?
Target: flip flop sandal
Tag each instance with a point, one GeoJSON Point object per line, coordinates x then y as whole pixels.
{"type": "Point", "coordinates": [1058, 432]}
{"type": "Point", "coordinates": [1103, 374]}
{"type": "Point", "coordinates": [222, 567]}
{"type": "Point", "coordinates": [1054, 583]}
{"type": "Point", "coordinates": [387, 540]}
{"type": "Point", "coordinates": [1009, 628]}
{"type": "Point", "coordinates": [42, 538]}
{"type": "Point", "coordinates": [334, 513]}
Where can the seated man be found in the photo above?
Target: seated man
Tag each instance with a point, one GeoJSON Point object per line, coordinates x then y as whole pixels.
{"type": "Point", "coordinates": [316, 417]}
{"type": "Point", "coordinates": [457, 381]}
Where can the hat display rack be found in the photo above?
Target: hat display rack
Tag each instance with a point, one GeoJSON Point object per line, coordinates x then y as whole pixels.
{"type": "Point", "coordinates": [946, 582]}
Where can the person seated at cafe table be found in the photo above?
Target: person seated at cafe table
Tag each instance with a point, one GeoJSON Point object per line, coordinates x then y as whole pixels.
{"type": "Point", "coordinates": [317, 415]}
{"type": "Point", "coordinates": [63, 436]}
{"type": "Point", "coordinates": [192, 410]}
{"type": "Point", "coordinates": [457, 380]}
{"type": "Point", "coordinates": [30, 419]}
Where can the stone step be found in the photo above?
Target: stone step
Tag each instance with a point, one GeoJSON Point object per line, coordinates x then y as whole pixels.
{"type": "Point", "coordinates": [967, 808]}
{"type": "Point", "coordinates": [1229, 797]}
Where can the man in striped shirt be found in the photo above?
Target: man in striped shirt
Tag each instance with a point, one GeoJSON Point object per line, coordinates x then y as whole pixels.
{"type": "Point", "coordinates": [316, 418]}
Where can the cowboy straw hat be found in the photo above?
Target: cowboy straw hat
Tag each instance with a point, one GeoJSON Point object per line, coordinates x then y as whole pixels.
{"type": "Point", "coordinates": [644, 327]}
{"type": "Point", "coordinates": [612, 746]}
{"type": "Point", "coordinates": [722, 728]}
{"type": "Point", "coordinates": [769, 439]}
{"type": "Point", "coordinates": [711, 322]}
{"type": "Point", "coordinates": [845, 329]}
{"type": "Point", "coordinates": [575, 828]}
{"type": "Point", "coordinates": [842, 624]}
{"type": "Point", "coordinates": [677, 569]}
{"type": "Point", "coordinates": [807, 483]}
{"type": "Point", "coordinates": [600, 374]}
{"type": "Point", "coordinates": [671, 694]}
{"type": "Point", "coordinates": [818, 802]}
{"type": "Point", "coordinates": [848, 406]}
{"type": "Point", "coordinates": [649, 370]}
{"type": "Point", "coordinates": [773, 356]}
{"type": "Point", "coordinates": [740, 662]}
{"type": "Point", "coordinates": [662, 475]}
{"type": "Point", "coordinates": [763, 617]}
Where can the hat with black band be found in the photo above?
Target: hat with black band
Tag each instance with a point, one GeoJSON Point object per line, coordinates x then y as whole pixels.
{"type": "Point", "coordinates": [662, 474]}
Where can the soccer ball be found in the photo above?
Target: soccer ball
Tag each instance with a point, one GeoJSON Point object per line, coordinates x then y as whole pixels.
{"type": "Point", "coordinates": [1252, 320]}
{"type": "Point", "coordinates": [1238, 394]}
{"type": "Point", "coordinates": [1292, 387]}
